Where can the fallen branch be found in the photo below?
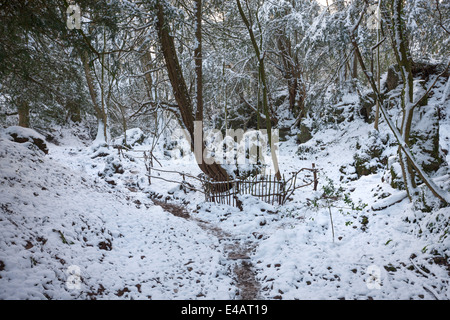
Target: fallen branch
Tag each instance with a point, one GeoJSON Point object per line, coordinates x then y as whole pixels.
{"type": "Point", "coordinates": [180, 173]}
{"type": "Point", "coordinates": [182, 183]}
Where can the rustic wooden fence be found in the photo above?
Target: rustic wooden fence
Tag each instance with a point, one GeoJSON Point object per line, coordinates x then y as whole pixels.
{"type": "Point", "coordinates": [265, 187]}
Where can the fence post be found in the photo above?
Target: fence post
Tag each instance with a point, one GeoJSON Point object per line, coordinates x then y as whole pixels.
{"type": "Point", "coordinates": [149, 168]}
{"type": "Point", "coordinates": [228, 192]}
{"type": "Point", "coordinates": [315, 176]}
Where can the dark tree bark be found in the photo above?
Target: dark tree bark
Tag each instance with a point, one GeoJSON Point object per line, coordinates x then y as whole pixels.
{"type": "Point", "coordinates": [292, 73]}
{"type": "Point", "coordinates": [400, 45]}
{"type": "Point", "coordinates": [199, 60]}
{"type": "Point", "coordinates": [262, 75]}
{"type": "Point", "coordinates": [23, 109]}
{"type": "Point", "coordinates": [99, 110]}
{"type": "Point", "coordinates": [181, 92]}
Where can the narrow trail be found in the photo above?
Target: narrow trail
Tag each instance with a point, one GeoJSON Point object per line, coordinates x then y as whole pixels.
{"type": "Point", "coordinates": [237, 254]}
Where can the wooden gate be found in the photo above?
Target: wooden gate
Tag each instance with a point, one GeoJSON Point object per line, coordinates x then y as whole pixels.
{"type": "Point", "coordinates": [265, 187]}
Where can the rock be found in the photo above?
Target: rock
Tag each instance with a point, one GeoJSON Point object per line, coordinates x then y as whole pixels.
{"type": "Point", "coordinates": [367, 103]}
{"type": "Point", "coordinates": [392, 79]}
{"type": "Point", "coordinates": [22, 135]}
{"type": "Point", "coordinates": [369, 157]}
{"type": "Point", "coordinates": [134, 137]}
{"type": "Point", "coordinates": [424, 138]}
{"type": "Point", "coordinates": [304, 135]}
{"type": "Point", "coordinates": [284, 133]}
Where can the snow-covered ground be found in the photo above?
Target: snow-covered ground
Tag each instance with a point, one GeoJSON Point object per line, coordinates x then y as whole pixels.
{"type": "Point", "coordinates": [66, 234]}
{"type": "Point", "coordinates": [78, 223]}
{"type": "Point", "coordinates": [376, 254]}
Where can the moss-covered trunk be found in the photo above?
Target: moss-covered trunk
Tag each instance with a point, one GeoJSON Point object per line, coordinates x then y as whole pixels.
{"type": "Point", "coordinates": [403, 56]}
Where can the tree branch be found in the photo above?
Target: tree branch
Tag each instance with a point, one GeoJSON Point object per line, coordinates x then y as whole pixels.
{"type": "Point", "coordinates": [439, 193]}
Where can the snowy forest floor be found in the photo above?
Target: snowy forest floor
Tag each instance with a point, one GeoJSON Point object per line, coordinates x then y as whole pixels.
{"type": "Point", "coordinates": [80, 223]}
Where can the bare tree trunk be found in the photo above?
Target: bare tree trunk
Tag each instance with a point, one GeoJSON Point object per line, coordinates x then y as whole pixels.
{"type": "Point", "coordinates": [262, 74]}
{"type": "Point", "coordinates": [104, 109]}
{"type": "Point", "coordinates": [181, 94]}
{"type": "Point", "coordinates": [99, 111]}
{"type": "Point", "coordinates": [378, 27]}
{"type": "Point", "coordinates": [23, 109]}
{"type": "Point", "coordinates": [377, 110]}
{"type": "Point", "coordinates": [405, 65]}
{"type": "Point", "coordinates": [355, 67]}
{"type": "Point", "coordinates": [180, 90]}
{"type": "Point", "coordinates": [199, 60]}
{"type": "Point", "coordinates": [292, 74]}
{"type": "Point", "coordinates": [146, 61]}
{"type": "Point", "coordinates": [90, 82]}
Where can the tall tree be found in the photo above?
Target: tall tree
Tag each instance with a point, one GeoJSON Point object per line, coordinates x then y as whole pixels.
{"type": "Point", "coordinates": [401, 49]}
{"type": "Point", "coordinates": [37, 71]}
{"type": "Point", "coordinates": [262, 76]}
{"type": "Point", "coordinates": [182, 96]}
{"type": "Point", "coordinates": [198, 60]}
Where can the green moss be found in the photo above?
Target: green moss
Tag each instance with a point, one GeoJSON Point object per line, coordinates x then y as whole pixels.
{"type": "Point", "coordinates": [362, 166]}
{"type": "Point", "coordinates": [396, 181]}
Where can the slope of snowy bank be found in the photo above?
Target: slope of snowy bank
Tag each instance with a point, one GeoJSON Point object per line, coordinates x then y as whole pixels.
{"type": "Point", "coordinates": [66, 236]}
{"type": "Point", "coordinates": [78, 224]}
{"type": "Point", "coordinates": [377, 254]}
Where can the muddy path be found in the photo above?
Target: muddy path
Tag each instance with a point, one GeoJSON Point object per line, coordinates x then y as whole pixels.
{"type": "Point", "coordinates": [237, 253]}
